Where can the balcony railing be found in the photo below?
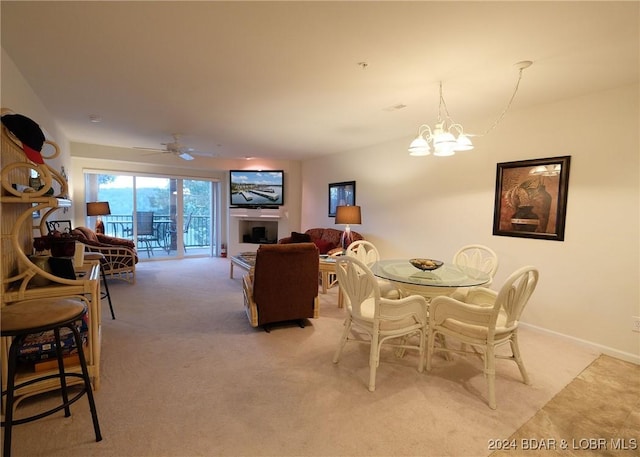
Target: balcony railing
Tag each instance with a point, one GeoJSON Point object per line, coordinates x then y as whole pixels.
{"type": "Point", "coordinates": [198, 234]}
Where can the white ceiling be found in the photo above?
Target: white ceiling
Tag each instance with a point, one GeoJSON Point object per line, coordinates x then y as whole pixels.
{"type": "Point", "coordinates": [283, 80]}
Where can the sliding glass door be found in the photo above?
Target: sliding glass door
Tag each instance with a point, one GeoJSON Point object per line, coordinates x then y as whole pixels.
{"type": "Point", "coordinates": [198, 215]}
{"type": "Point", "coordinates": [165, 216]}
{"type": "Point", "coordinates": [153, 221]}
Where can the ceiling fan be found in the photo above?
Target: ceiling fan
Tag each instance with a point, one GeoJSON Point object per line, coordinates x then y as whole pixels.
{"type": "Point", "coordinates": [175, 147]}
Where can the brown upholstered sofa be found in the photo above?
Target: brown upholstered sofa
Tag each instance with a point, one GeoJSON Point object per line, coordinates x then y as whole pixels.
{"type": "Point", "coordinates": [283, 285]}
{"type": "Point", "coordinates": [120, 256]}
{"type": "Point", "coordinates": [327, 239]}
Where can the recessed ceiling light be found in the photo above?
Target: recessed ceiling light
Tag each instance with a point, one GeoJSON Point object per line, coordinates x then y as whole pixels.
{"type": "Point", "coordinates": [95, 118]}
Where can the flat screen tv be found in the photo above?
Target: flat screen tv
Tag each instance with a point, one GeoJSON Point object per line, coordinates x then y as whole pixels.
{"type": "Point", "coordinates": [256, 188]}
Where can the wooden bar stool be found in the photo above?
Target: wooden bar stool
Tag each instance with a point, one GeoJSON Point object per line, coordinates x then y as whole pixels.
{"type": "Point", "coordinates": [103, 293]}
{"type": "Point", "coordinates": [27, 317]}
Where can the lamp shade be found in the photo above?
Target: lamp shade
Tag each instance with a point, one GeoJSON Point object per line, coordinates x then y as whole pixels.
{"type": "Point", "coordinates": [419, 147]}
{"type": "Point", "coordinates": [98, 209]}
{"type": "Point", "coordinates": [348, 215]}
{"type": "Point", "coordinates": [463, 143]}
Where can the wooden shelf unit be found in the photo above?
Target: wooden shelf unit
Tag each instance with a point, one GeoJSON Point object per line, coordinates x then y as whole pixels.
{"type": "Point", "coordinates": [17, 270]}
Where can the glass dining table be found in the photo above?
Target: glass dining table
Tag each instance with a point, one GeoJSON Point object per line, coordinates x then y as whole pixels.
{"type": "Point", "coordinates": [431, 283]}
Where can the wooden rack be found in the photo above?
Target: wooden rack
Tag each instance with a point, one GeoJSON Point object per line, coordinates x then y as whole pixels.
{"type": "Point", "coordinates": [18, 271]}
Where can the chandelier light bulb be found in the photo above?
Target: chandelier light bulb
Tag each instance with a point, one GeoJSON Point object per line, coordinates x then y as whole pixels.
{"type": "Point", "coordinates": [444, 149]}
{"type": "Point", "coordinates": [441, 137]}
{"type": "Point", "coordinates": [463, 143]}
{"type": "Point", "coordinates": [419, 147]}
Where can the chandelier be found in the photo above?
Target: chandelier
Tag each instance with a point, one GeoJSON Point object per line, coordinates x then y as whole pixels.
{"type": "Point", "coordinates": [443, 136]}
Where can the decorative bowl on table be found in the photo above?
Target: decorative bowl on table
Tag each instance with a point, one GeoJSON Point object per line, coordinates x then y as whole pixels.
{"type": "Point", "coordinates": [426, 264]}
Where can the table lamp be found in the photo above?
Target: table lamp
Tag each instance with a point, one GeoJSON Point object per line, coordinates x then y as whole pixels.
{"type": "Point", "coordinates": [98, 209]}
{"type": "Point", "coordinates": [347, 215]}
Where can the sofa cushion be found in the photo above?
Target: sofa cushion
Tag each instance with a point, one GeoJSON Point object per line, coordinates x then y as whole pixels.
{"type": "Point", "coordinates": [315, 233]}
{"type": "Point", "coordinates": [300, 237]}
{"type": "Point", "coordinates": [86, 233]}
{"type": "Point", "coordinates": [89, 237]}
{"type": "Point", "coordinates": [323, 246]}
{"type": "Point", "coordinates": [112, 240]}
{"type": "Point", "coordinates": [332, 236]}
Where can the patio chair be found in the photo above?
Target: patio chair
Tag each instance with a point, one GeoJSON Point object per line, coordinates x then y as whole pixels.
{"type": "Point", "coordinates": [146, 230]}
{"type": "Point", "coordinates": [171, 235]}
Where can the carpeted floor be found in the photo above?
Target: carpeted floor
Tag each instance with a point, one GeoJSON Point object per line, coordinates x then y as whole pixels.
{"type": "Point", "coordinates": [183, 374]}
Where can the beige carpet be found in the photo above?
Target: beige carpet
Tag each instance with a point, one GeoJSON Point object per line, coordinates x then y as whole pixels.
{"type": "Point", "coordinates": [183, 374]}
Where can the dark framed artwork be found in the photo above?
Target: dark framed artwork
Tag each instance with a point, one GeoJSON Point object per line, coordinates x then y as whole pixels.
{"type": "Point", "coordinates": [59, 226]}
{"type": "Point", "coordinates": [531, 198]}
{"type": "Point", "coordinates": [341, 194]}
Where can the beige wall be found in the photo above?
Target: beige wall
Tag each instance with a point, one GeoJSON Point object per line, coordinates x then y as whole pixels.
{"type": "Point", "coordinates": [430, 206]}
{"type": "Point", "coordinates": [18, 96]}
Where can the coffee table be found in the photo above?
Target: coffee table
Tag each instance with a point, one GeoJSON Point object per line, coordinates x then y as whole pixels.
{"type": "Point", "coordinates": [247, 260]}
{"type": "Point", "coordinates": [327, 267]}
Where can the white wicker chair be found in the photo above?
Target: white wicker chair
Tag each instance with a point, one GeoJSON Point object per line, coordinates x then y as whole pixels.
{"type": "Point", "coordinates": [488, 319]}
{"type": "Point", "coordinates": [380, 318]}
{"type": "Point", "coordinates": [475, 256]}
{"type": "Point", "coordinates": [367, 253]}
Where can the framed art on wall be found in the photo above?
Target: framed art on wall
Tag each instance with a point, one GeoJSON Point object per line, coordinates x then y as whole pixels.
{"type": "Point", "coordinates": [341, 194]}
{"type": "Point", "coordinates": [531, 198]}
{"type": "Point", "coordinates": [59, 226]}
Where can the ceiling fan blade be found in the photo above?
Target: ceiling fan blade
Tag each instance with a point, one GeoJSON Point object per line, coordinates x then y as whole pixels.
{"type": "Point", "coordinates": [174, 148]}
{"type": "Point", "coordinates": [149, 149]}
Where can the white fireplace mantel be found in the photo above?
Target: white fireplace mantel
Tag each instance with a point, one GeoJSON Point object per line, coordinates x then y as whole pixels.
{"type": "Point", "coordinates": [257, 213]}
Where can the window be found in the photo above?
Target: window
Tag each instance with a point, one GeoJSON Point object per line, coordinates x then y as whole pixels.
{"type": "Point", "coordinates": [184, 219]}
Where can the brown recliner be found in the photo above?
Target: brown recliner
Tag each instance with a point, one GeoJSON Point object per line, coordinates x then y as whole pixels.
{"type": "Point", "coordinates": [283, 286]}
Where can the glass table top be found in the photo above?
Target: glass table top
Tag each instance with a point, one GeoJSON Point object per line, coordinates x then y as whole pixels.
{"type": "Point", "coordinates": [249, 258]}
{"type": "Point", "coordinates": [448, 275]}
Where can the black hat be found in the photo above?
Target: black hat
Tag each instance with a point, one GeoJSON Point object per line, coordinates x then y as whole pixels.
{"type": "Point", "coordinates": [28, 132]}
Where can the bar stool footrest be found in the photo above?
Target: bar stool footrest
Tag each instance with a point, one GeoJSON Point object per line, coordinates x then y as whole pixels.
{"type": "Point", "coordinates": [55, 409]}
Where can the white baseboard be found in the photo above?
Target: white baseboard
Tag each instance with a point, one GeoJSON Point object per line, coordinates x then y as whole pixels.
{"type": "Point", "coordinates": [626, 356]}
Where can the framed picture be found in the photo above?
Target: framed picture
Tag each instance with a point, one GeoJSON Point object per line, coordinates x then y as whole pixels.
{"type": "Point", "coordinates": [59, 226]}
{"type": "Point", "coordinates": [341, 194]}
{"type": "Point", "coordinates": [531, 198]}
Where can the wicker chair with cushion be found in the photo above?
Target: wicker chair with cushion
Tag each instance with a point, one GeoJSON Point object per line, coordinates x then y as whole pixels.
{"type": "Point", "coordinates": [327, 239]}
{"type": "Point", "coordinates": [367, 253]}
{"type": "Point", "coordinates": [374, 320]}
{"type": "Point", "coordinates": [120, 255]}
{"type": "Point", "coordinates": [283, 285]}
{"type": "Point", "coordinates": [486, 320]}
{"type": "Point", "coordinates": [478, 257]}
